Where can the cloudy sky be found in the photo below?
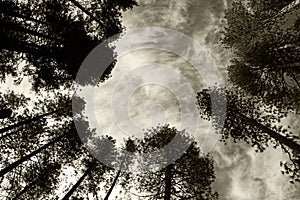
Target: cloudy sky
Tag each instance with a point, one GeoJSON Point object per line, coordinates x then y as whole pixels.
{"type": "Point", "coordinates": [241, 173]}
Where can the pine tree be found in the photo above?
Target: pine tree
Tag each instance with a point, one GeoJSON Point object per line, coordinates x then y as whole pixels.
{"type": "Point", "coordinates": [250, 120]}
{"type": "Point", "coordinates": [54, 41]}
{"type": "Point", "coordinates": [264, 39]}
{"type": "Point", "coordinates": [188, 177]}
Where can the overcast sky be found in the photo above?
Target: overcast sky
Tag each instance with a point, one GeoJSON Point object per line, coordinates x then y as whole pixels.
{"type": "Point", "coordinates": [241, 173]}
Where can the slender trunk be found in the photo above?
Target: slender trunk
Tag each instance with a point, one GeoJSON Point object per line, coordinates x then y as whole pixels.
{"type": "Point", "coordinates": [25, 189]}
{"type": "Point", "coordinates": [113, 185]}
{"type": "Point", "coordinates": [25, 47]}
{"type": "Point", "coordinates": [78, 5]}
{"type": "Point", "coordinates": [116, 178]}
{"type": "Point", "coordinates": [277, 136]}
{"type": "Point", "coordinates": [27, 121]}
{"type": "Point", "coordinates": [87, 171]}
{"type": "Point", "coordinates": [289, 7]}
{"type": "Point", "coordinates": [20, 161]}
{"type": "Point", "coordinates": [295, 65]}
{"type": "Point", "coordinates": [284, 10]}
{"type": "Point", "coordinates": [14, 11]}
{"type": "Point", "coordinates": [15, 14]}
{"type": "Point", "coordinates": [28, 31]}
{"type": "Point", "coordinates": [168, 178]}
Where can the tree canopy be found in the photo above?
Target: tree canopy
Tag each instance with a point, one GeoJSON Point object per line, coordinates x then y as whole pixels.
{"type": "Point", "coordinates": [189, 177]}
{"type": "Point", "coordinates": [53, 40]}
{"type": "Point", "coordinates": [248, 119]}
{"type": "Point", "coordinates": [264, 38]}
{"type": "Point", "coordinates": [47, 42]}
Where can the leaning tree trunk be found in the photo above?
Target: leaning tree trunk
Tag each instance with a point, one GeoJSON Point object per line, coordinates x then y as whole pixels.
{"type": "Point", "coordinates": [116, 178]}
{"type": "Point", "coordinates": [277, 136]}
{"type": "Point", "coordinates": [20, 161]}
{"type": "Point", "coordinates": [27, 121]}
{"type": "Point", "coordinates": [26, 30]}
{"type": "Point", "coordinates": [73, 189]}
{"type": "Point", "coordinates": [8, 10]}
{"type": "Point", "coordinates": [78, 5]}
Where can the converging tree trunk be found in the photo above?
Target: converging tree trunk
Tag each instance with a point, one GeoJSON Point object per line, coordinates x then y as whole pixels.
{"type": "Point", "coordinates": [277, 136]}
{"type": "Point", "coordinates": [113, 185]}
{"type": "Point", "coordinates": [78, 5]}
{"type": "Point", "coordinates": [115, 179]}
{"type": "Point", "coordinates": [77, 184]}
{"type": "Point", "coordinates": [168, 182]}
{"type": "Point", "coordinates": [24, 30]}
{"type": "Point", "coordinates": [20, 161]}
{"type": "Point", "coordinates": [27, 121]}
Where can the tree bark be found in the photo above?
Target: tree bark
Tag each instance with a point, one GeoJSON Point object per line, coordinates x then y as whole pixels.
{"type": "Point", "coordinates": [20, 161]}
{"type": "Point", "coordinates": [277, 136]}
{"type": "Point", "coordinates": [168, 182]}
{"type": "Point", "coordinates": [113, 185]}
{"type": "Point", "coordinates": [77, 184]}
{"type": "Point", "coordinates": [27, 121]}
{"type": "Point", "coordinates": [116, 178]}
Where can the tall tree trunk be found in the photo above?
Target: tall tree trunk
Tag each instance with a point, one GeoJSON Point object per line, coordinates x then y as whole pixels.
{"type": "Point", "coordinates": [13, 44]}
{"type": "Point", "coordinates": [78, 5]}
{"type": "Point", "coordinates": [284, 10]}
{"type": "Point", "coordinates": [77, 184]}
{"type": "Point", "coordinates": [113, 185]}
{"type": "Point", "coordinates": [26, 30]}
{"type": "Point", "coordinates": [27, 121]}
{"type": "Point", "coordinates": [116, 178]}
{"type": "Point", "coordinates": [168, 182]}
{"type": "Point", "coordinates": [288, 66]}
{"type": "Point", "coordinates": [8, 9]}
{"type": "Point", "coordinates": [20, 161]}
{"type": "Point", "coordinates": [277, 136]}
{"type": "Point", "coordinates": [15, 14]}
{"type": "Point", "coordinates": [289, 7]}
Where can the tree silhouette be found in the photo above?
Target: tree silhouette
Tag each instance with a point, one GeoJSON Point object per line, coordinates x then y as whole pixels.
{"type": "Point", "coordinates": [48, 41]}
{"type": "Point", "coordinates": [59, 109]}
{"type": "Point", "coordinates": [264, 39]}
{"type": "Point", "coordinates": [36, 145]}
{"type": "Point", "coordinates": [189, 177]}
{"type": "Point", "coordinates": [54, 42]}
{"type": "Point", "coordinates": [248, 119]}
